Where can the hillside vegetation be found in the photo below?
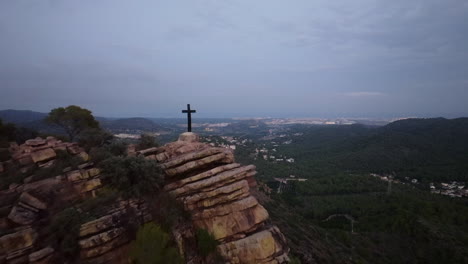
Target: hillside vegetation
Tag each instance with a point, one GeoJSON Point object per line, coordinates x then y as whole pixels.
{"type": "Point", "coordinates": [341, 214]}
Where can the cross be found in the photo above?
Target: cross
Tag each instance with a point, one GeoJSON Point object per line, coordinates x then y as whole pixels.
{"type": "Point", "coordinates": [189, 117]}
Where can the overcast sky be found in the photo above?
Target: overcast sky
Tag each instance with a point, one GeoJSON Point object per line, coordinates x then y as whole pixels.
{"type": "Point", "coordinates": [236, 58]}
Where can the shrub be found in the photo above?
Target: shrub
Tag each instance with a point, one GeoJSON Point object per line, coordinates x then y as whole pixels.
{"type": "Point", "coordinates": [98, 155]}
{"type": "Point", "coordinates": [152, 247]}
{"type": "Point", "coordinates": [12, 174]}
{"type": "Point", "coordinates": [206, 242]}
{"type": "Point", "coordinates": [294, 260]}
{"type": "Point", "coordinates": [117, 148]}
{"type": "Point", "coordinates": [167, 211]}
{"type": "Point", "coordinates": [64, 230]}
{"type": "Point", "coordinates": [132, 176]}
{"type": "Point", "coordinates": [94, 138]}
{"type": "Point", "coordinates": [146, 141]}
{"type": "Point", "coordinates": [97, 206]}
{"type": "Point", "coordinates": [63, 160]}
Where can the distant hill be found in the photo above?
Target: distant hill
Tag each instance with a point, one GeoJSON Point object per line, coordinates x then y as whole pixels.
{"type": "Point", "coordinates": [135, 123]}
{"type": "Point", "coordinates": [34, 120]}
{"type": "Point", "coordinates": [434, 149]}
{"type": "Point", "coordinates": [21, 116]}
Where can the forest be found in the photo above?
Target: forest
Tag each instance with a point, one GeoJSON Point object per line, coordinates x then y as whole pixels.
{"type": "Point", "coordinates": [342, 208]}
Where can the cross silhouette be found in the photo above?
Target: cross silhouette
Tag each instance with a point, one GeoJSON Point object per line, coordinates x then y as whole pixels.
{"type": "Point", "coordinates": [189, 117]}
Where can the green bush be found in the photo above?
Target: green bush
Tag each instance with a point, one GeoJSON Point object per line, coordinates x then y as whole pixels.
{"type": "Point", "coordinates": [152, 246]}
{"type": "Point", "coordinates": [146, 141]}
{"type": "Point", "coordinates": [96, 137]}
{"type": "Point", "coordinates": [294, 260]}
{"type": "Point", "coordinates": [114, 148]}
{"type": "Point", "coordinates": [167, 211]}
{"type": "Point", "coordinates": [117, 148]}
{"type": "Point", "coordinates": [132, 176]}
{"type": "Point", "coordinates": [63, 160]}
{"type": "Point", "coordinates": [206, 242]}
{"type": "Point", "coordinates": [99, 205]}
{"type": "Point", "coordinates": [98, 155]}
{"type": "Point", "coordinates": [11, 175]}
{"type": "Point", "coordinates": [64, 230]}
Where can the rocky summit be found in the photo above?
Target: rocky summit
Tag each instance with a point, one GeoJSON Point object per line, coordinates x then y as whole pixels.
{"type": "Point", "coordinates": [216, 191]}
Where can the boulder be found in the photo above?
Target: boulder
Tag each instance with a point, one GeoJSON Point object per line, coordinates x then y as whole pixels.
{"type": "Point", "coordinates": [43, 155]}
{"type": "Point", "coordinates": [21, 215]}
{"type": "Point", "coordinates": [32, 201]}
{"type": "Point", "coordinates": [149, 151]}
{"type": "Point", "coordinates": [35, 142]}
{"type": "Point", "coordinates": [51, 141]}
{"type": "Point", "coordinates": [19, 256]}
{"type": "Point", "coordinates": [267, 246]}
{"type": "Point", "coordinates": [92, 172]}
{"type": "Point", "coordinates": [17, 241]}
{"type": "Point", "coordinates": [25, 159]}
{"type": "Point", "coordinates": [84, 156]}
{"type": "Point", "coordinates": [101, 238]}
{"type": "Point", "coordinates": [45, 185]}
{"type": "Point", "coordinates": [40, 254]}
{"type": "Point", "coordinates": [77, 175]}
{"type": "Point", "coordinates": [106, 247]}
{"type": "Point", "coordinates": [74, 149]}
{"type": "Point", "coordinates": [100, 224]}
{"type": "Point", "coordinates": [85, 165]}
{"type": "Point", "coordinates": [234, 223]}
{"type": "Point", "coordinates": [13, 147]}
{"type": "Point", "coordinates": [90, 185]}
{"type": "Point", "coordinates": [46, 164]}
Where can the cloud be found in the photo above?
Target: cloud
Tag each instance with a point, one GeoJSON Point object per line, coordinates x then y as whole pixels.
{"type": "Point", "coordinates": [364, 94]}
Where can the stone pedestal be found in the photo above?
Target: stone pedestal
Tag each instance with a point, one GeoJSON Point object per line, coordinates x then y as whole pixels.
{"type": "Point", "coordinates": [189, 137]}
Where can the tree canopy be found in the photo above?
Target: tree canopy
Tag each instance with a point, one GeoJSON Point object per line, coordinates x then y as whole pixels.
{"type": "Point", "coordinates": [73, 119]}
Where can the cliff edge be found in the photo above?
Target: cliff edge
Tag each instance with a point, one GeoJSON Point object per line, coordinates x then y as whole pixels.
{"type": "Point", "coordinates": [216, 191]}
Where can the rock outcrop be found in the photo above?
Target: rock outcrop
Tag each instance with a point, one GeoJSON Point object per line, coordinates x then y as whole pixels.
{"type": "Point", "coordinates": [216, 191]}
{"type": "Point", "coordinates": [205, 179]}
{"type": "Point", "coordinates": [106, 239]}
{"type": "Point", "coordinates": [26, 206]}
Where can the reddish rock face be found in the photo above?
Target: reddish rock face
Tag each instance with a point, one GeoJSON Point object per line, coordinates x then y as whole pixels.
{"type": "Point", "coordinates": [210, 185]}
{"type": "Point", "coordinates": [217, 193]}
{"type": "Point", "coordinates": [11, 243]}
{"type": "Point", "coordinates": [35, 142]}
{"type": "Point", "coordinates": [26, 207]}
{"type": "Point", "coordinates": [43, 155]}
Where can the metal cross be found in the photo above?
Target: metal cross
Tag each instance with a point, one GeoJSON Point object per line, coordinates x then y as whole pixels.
{"type": "Point", "coordinates": [189, 117]}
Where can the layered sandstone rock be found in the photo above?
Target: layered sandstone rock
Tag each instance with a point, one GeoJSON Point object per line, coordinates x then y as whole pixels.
{"type": "Point", "coordinates": [106, 239]}
{"type": "Point", "coordinates": [206, 179]}
{"type": "Point", "coordinates": [216, 191]}
{"type": "Point", "coordinates": [23, 207]}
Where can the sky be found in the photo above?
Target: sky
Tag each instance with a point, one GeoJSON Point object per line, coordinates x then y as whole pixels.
{"type": "Point", "coordinates": [310, 58]}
